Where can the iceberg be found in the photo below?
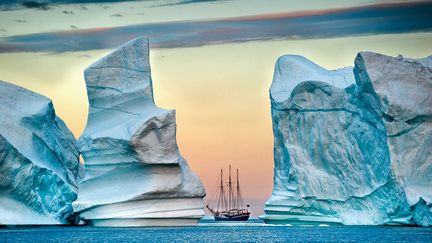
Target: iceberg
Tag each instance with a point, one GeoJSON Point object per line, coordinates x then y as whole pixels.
{"type": "Point", "coordinates": [351, 147]}
{"type": "Point", "coordinates": [39, 161]}
{"type": "Point", "coordinates": [401, 95]}
{"type": "Point", "coordinates": [399, 90]}
{"type": "Point", "coordinates": [135, 174]}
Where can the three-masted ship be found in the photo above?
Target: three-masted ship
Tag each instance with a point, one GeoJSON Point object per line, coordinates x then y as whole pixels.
{"type": "Point", "coordinates": [229, 204]}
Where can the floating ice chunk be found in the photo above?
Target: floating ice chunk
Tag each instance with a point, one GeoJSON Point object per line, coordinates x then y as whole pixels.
{"type": "Point", "coordinates": [358, 155]}
{"type": "Point", "coordinates": [39, 166]}
{"type": "Point", "coordinates": [135, 174]}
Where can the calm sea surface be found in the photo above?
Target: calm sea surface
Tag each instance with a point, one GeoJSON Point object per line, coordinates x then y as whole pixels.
{"type": "Point", "coordinates": [208, 231]}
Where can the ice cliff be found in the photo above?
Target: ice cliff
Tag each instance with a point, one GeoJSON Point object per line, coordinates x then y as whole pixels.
{"type": "Point", "coordinates": [39, 165]}
{"type": "Point", "coordinates": [352, 154]}
{"type": "Point", "coordinates": [135, 174]}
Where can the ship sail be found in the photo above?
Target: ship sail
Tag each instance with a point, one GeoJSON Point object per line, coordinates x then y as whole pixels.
{"type": "Point", "coordinates": [229, 203]}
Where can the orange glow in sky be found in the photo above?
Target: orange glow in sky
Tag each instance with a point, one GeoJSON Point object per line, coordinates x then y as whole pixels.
{"type": "Point", "coordinates": [220, 93]}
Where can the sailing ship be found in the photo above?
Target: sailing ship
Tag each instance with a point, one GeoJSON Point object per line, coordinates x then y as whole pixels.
{"type": "Point", "coordinates": [228, 205]}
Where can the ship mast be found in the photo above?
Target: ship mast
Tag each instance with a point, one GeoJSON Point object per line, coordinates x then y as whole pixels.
{"type": "Point", "coordinates": [230, 194]}
{"type": "Point", "coordinates": [238, 192]}
{"type": "Point", "coordinates": [221, 199]}
{"type": "Point", "coordinates": [239, 195]}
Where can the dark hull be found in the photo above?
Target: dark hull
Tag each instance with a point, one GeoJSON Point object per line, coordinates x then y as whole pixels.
{"type": "Point", "coordinates": [243, 217]}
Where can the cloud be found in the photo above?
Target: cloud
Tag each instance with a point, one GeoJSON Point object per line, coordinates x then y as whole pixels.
{"type": "Point", "coordinates": [44, 4]}
{"type": "Point", "coordinates": [328, 23]}
{"type": "Point", "coordinates": [34, 4]}
{"type": "Point", "coordinates": [199, 1]}
{"type": "Point", "coordinates": [183, 2]}
{"type": "Point", "coordinates": [116, 15]}
{"type": "Point", "coordinates": [85, 55]}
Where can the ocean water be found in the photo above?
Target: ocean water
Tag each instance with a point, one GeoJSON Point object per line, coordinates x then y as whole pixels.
{"type": "Point", "coordinates": [208, 231]}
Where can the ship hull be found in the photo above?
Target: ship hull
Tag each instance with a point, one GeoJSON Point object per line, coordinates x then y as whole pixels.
{"type": "Point", "coordinates": [243, 217]}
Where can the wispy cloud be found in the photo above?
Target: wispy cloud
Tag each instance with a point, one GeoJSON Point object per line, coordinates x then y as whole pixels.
{"type": "Point", "coordinates": [183, 2]}
{"type": "Point", "coordinates": [35, 4]}
{"type": "Point", "coordinates": [328, 23]}
{"type": "Point", "coordinates": [6, 5]}
{"type": "Point", "coordinates": [21, 21]}
{"type": "Point", "coordinates": [45, 4]}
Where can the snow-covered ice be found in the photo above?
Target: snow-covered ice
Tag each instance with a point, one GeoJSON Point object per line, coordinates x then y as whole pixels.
{"type": "Point", "coordinates": [135, 174]}
{"type": "Point", "coordinates": [291, 70]}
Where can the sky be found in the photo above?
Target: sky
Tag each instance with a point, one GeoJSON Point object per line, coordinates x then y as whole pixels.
{"type": "Point", "coordinates": [211, 60]}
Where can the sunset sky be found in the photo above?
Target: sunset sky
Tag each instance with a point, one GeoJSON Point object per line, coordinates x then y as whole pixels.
{"type": "Point", "coordinates": [211, 60]}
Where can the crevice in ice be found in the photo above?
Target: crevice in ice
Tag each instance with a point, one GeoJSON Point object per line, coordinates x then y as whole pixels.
{"type": "Point", "coordinates": [403, 132]}
{"type": "Point", "coordinates": [145, 131]}
{"type": "Point", "coordinates": [298, 110]}
{"type": "Point", "coordinates": [419, 119]}
{"type": "Point", "coordinates": [349, 198]}
{"type": "Point", "coordinates": [105, 87]}
{"type": "Point", "coordinates": [134, 102]}
{"type": "Point", "coordinates": [317, 110]}
{"type": "Point", "coordinates": [387, 117]}
{"type": "Point", "coordinates": [125, 68]}
{"type": "Point", "coordinates": [113, 109]}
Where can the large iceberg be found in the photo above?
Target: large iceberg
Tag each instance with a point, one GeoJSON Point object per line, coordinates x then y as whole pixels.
{"type": "Point", "coordinates": [135, 174]}
{"type": "Point", "coordinates": [400, 92]}
{"type": "Point", "coordinates": [356, 154]}
{"type": "Point", "coordinates": [39, 165]}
